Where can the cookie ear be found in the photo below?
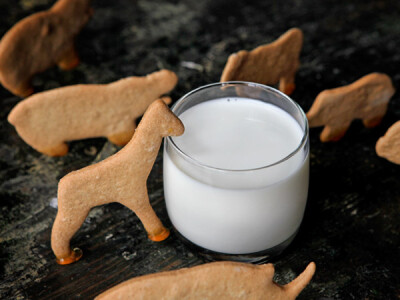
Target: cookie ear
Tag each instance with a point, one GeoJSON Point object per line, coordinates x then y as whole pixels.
{"type": "Point", "coordinates": [232, 65]}
{"type": "Point", "coordinates": [295, 35]}
{"type": "Point", "coordinates": [166, 100]}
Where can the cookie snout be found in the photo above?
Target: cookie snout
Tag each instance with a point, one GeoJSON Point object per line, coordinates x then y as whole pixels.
{"type": "Point", "coordinates": [17, 115]}
{"type": "Point", "coordinates": [180, 128]}
{"type": "Point", "coordinates": [381, 146]}
{"type": "Point", "coordinates": [166, 80]}
{"type": "Point", "coordinates": [176, 128]}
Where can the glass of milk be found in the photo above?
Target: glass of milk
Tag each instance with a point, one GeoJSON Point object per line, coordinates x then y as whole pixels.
{"type": "Point", "coordinates": [236, 181]}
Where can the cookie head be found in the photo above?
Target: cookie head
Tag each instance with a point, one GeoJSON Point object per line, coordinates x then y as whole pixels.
{"type": "Point", "coordinates": [388, 146]}
{"type": "Point", "coordinates": [74, 7]}
{"type": "Point", "coordinates": [169, 124]}
{"type": "Point", "coordinates": [21, 117]}
{"type": "Point", "coordinates": [164, 80]}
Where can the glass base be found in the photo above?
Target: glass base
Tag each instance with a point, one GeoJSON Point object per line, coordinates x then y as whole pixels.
{"type": "Point", "coordinates": [254, 258]}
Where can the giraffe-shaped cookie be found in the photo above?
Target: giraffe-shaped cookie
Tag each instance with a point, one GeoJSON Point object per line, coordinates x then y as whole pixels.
{"type": "Point", "coordinates": [268, 64]}
{"type": "Point", "coordinates": [41, 41]}
{"type": "Point", "coordinates": [366, 99]}
{"type": "Point", "coordinates": [213, 281]}
{"type": "Point", "coordinates": [119, 178]}
{"type": "Point", "coordinates": [47, 120]}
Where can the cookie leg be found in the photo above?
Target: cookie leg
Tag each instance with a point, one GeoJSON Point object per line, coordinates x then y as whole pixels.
{"type": "Point", "coordinates": [123, 137]}
{"type": "Point", "coordinates": [23, 90]}
{"type": "Point", "coordinates": [64, 228]}
{"type": "Point", "coordinates": [375, 120]}
{"type": "Point", "coordinates": [155, 229]}
{"type": "Point", "coordinates": [372, 122]}
{"type": "Point", "coordinates": [333, 133]}
{"type": "Point", "coordinates": [286, 85]}
{"type": "Point", "coordinates": [58, 150]}
{"type": "Point", "coordinates": [69, 59]}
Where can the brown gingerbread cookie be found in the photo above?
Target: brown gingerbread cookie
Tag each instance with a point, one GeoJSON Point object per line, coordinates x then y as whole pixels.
{"type": "Point", "coordinates": [388, 146]}
{"type": "Point", "coordinates": [47, 120]}
{"type": "Point", "coordinates": [213, 281]}
{"type": "Point", "coordinates": [366, 99]}
{"type": "Point", "coordinates": [41, 41]}
{"type": "Point", "coordinates": [119, 178]}
{"type": "Point", "coordinates": [268, 64]}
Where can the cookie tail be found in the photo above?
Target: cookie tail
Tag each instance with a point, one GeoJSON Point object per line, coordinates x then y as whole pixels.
{"type": "Point", "coordinates": [294, 288]}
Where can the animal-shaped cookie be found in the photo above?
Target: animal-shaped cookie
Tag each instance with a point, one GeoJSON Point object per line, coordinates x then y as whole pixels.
{"type": "Point", "coordinates": [268, 64]}
{"type": "Point", "coordinates": [212, 281]}
{"type": "Point", "coordinates": [388, 146]}
{"type": "Point", "coordinates": [41, 41]}
{"type": "Point", "coordinates": [47, 120]}
{"type": "Point", "coordinates": [119, 178]}
{"type": "Point", "coordinates": [366, 99]}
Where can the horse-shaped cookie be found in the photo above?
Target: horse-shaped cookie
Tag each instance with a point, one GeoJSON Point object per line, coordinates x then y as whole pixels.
{"type": "Point", "coordinates": [212, 281]}
{"type": "Point", "coordinates": [388, 146]}
{"type": "Point", "coordinates": [366, 99]}
{"type": "Point", "coordinates": [119, 178]}
{"type": "Point", "coordinates": [47, 120]}
{"type": "Point", "coordinates": [41, 41]}
{"type": "Point", "coordinates": [268, 64]}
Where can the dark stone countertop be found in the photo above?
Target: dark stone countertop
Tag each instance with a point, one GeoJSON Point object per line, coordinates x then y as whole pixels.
{"type": "Point", "coordinates": [352, 222]}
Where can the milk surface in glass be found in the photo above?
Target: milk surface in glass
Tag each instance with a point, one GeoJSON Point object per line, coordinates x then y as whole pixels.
{"type": "Point", "coordinates": [240, 207]}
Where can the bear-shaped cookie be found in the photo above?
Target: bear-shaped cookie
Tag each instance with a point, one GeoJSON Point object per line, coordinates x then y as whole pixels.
{"type": "Point", "coordinates": [41, 41]}
{"type": "Point", "coordinates": [268, 64]}
{"type": "Point", "coordinates": [212, 281]}
{"type": "Point", "coordinates": [366, 99]}
{"type": "Point", "coordinates": [47, 120]}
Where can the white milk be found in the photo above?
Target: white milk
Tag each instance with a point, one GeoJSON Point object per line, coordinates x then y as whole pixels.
{"type": "Point", "coordinates": [236, 209]}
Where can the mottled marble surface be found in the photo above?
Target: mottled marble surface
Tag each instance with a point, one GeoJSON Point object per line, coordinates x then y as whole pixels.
{"type": "Point", "coordinates": [352, 221]}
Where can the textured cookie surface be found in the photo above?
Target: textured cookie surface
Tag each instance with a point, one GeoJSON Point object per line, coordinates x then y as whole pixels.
{"type": "Point", "coordinates": [218, 280]}
{"type": "Point", "coordinates": [388, 146]}
{"type": "Point", "coordinates": [366, 99]}
{"type": "Point", "coordinates": [268, 64]}
{"type": "Point", "coordinates": [41, 41]}
{"type": "Point", "coordinates": [119, 178]}
{"type": "Point", "coordinates": [47, 120]}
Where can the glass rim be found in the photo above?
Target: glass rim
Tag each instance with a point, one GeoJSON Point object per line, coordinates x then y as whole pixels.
{"type": "Point", "coordinates": [189, 158]}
